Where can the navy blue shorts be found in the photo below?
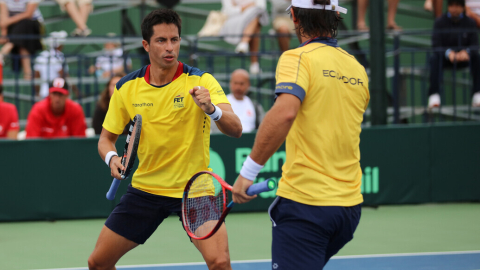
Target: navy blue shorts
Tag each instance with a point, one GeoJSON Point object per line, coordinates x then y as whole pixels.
{"type": "Point", "coordinates": [139, 213]}
{"type": "Point", "coordinates": [306, 236]}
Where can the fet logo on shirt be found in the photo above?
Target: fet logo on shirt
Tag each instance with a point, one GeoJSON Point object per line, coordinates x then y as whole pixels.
{"type": "Point", "coordinates": [1, 129]}
{"type": "Point", "coordinates": [178, 101]}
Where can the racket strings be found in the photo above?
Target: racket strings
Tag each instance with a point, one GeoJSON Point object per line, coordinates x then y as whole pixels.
{"type": "Point", "coordinates": [204, 204]}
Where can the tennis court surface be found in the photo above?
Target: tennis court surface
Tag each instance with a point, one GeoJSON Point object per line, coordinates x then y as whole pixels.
{"type": "Point", "coordinates": [466, 260]}
{"type": "Point", "coordinates": [436, 236]}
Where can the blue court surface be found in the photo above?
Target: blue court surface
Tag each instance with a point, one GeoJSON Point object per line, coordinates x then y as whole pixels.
{"type": "Point", "coordinates": [462, 260]}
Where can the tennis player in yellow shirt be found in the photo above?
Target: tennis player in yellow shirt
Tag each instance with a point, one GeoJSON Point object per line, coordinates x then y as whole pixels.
{"type": "Point", "coordinates": [321, 96]}
{"type": "Point", "coordinates": [176, 102]}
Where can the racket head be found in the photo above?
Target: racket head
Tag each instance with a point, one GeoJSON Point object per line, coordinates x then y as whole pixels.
{"type": "Point", "coordinates": [204, 204]}
{"type": "Point", "coordinates": [131, 145]}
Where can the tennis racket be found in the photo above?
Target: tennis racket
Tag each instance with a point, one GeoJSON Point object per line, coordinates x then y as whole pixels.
{"type": "Point", "coordinates": [129, 154]}
{"type": "Point", "coordinates": [204, 203]}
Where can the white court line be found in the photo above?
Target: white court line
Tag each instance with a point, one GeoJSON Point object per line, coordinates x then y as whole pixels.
{"type": "Point", "coordinates": [268, 260]}
{"type": "Point", "coordinates": [405, 254]}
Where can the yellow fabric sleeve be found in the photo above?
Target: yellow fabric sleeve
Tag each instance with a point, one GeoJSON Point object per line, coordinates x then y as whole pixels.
{"type": "Point", "coordinates": [117, 115]}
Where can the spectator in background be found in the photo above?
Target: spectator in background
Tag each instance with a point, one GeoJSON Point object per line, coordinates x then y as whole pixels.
{"type": "Point", "coordinates": [392, 11]}
{"type": "Point", "coordinates": [250, 113]}
{"type": "Point", "coordinates": [473, 10]}
{"type": "Point", "coordinates": [20, 17]}
{"type": "Point", "coordinates": [282, 24]}
{"type": "Point", "coordinates": [451, 48]}
{"type": "Point", "coordinates": [112, 60]}
{"type": "Point", "coordinates": [56, 116]}
{"type": "Point", "coordinates": [50, 64]}
{"type": "Point", "coordinates": [8, 119]}
{"type": "Point", "coordinates": [78, 10]}
{"type": "Point", "coordinates": [102, 104]}
{"type": "Point", "coordinates": [245, 17]}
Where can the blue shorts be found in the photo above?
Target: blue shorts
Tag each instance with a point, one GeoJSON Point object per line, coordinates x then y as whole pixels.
{"type": "Point", "coordinates": [306, 236]}
{"type": "Point", "coordinates": [139, 213]}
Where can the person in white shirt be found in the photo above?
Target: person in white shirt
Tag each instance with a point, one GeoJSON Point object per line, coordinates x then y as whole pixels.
{"type": "Point", "coordinates": [112, 61]}
{"type": "Point", "coordinates": [245, 17]}
{"type": "Point", "coordinates": [50, 64]}
{"type": "Point", "coordinates": [242, 105]}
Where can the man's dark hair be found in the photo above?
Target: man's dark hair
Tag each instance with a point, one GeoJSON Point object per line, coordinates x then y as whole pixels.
{"type": "Point", "coordinates": [317, 22]}
{"type": "Point", "coordinates": [456, 2]}
{"type": "Point", "coordinates": [160, 16]}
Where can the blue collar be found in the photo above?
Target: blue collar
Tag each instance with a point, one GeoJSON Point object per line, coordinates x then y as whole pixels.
{"type": "Point", "coordinates": [450, 15]}
{"type": "Point", "coordinates": [325, 40]}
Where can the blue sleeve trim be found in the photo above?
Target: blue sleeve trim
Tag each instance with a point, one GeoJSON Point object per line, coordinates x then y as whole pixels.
{"type": "Point", "coordinates": [290, 88]}
{"type": "Point", "coordinates": [132, 76]}
{"type": "Point", "coordinates": [192, 71]}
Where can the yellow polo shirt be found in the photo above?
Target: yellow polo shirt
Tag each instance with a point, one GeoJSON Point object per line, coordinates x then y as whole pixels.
{"type": "Point", "coordinates": [323, 156]}
{"type": "Point", "coordinates": [175, 138]}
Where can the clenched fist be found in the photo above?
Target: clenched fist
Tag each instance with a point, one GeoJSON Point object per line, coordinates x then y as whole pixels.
{"type": "Point", "coordinates": [201, 96]}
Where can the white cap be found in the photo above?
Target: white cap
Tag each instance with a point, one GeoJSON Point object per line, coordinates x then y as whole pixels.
{"type": "Point", "coordinates": [308, 4]}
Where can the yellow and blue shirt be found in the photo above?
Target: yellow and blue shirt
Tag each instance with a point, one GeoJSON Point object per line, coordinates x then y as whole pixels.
{"type": "Point", "coordinates": [175, 138]}
{"type": "Point", "coordinates": [323, 156]}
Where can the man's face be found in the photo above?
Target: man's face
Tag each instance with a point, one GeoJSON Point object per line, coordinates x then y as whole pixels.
{"type": "Point", "coordinates": [57, 102]}
{"type": "Point", "coordinates": [164, 45]}
{"type": "Point", "coordinates": [239, 84]}
{"type": "Point", "coordinates": [455, 10]}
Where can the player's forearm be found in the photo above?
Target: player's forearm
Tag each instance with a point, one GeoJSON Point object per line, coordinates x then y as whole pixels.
{"type": "Point", "coordinates": [270, 136]}
{"type": "Point", "coordinates": [230, 124]}
{"type": "Point", "coordinates": [106, 143]}
{"type": "Point", "coordinates": [274, 128]}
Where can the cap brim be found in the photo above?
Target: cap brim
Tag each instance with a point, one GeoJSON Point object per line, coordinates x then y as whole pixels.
{"type": "Point", "coordinates": [58, 90]}
{"type": "Point", "coordinates": [337, 9]}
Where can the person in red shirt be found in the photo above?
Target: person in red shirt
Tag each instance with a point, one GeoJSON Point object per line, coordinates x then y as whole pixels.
{"type": "Point", "coordinates": [56, 116]}
{"type": "Point", "coordinates": [8, 119]}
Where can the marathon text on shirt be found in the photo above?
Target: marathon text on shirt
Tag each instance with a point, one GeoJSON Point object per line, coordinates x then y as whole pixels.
{"type": "Point", "coordinates": [142, 104]}
{"type": "Point", "coordinates": [345, 79]}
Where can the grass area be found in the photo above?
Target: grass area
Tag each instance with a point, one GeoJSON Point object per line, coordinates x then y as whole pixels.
{"type": "Point", "coordinates": [387, 229]}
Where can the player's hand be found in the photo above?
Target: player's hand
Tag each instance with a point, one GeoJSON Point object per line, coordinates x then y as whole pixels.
{"type": "Point", "coordinates": [239, 190]}
{"type": "Point", "coordinates": [201, 96]}
{"type": "Point", "coordinates": [116, 166]}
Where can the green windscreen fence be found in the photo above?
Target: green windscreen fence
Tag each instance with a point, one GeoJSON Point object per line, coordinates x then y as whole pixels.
{"type": "Point", "coordinates": [66, 179]}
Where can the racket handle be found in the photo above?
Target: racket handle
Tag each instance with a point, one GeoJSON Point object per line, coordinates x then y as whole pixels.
{"type": "Point", "coordinates": [266, 185]}
{"type": "Point", "coordinates": [113, 189]}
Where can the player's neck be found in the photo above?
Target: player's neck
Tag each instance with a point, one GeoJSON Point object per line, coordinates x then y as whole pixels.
{"type": "Point", "coordinates": [304, 39]}
{"type": "Point", "coordinates": [160, 76]}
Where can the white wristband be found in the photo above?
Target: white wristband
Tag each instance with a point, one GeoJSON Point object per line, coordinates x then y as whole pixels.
{"type": "Point", "coordinates": [250, 169]}
{"type": "Point", "coordinates": [217, 113]}
{"type": "Point", "coordinates": [109, 156]}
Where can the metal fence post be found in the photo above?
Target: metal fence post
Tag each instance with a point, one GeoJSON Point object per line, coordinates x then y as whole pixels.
{"type": "Point", "coordinates": [396, 78]}
{"type": "Point", "coordinates": [377, 61]}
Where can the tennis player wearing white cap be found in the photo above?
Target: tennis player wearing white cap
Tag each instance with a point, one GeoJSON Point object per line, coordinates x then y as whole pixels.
{"type": "Point", "coordinates": [322, 94]}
